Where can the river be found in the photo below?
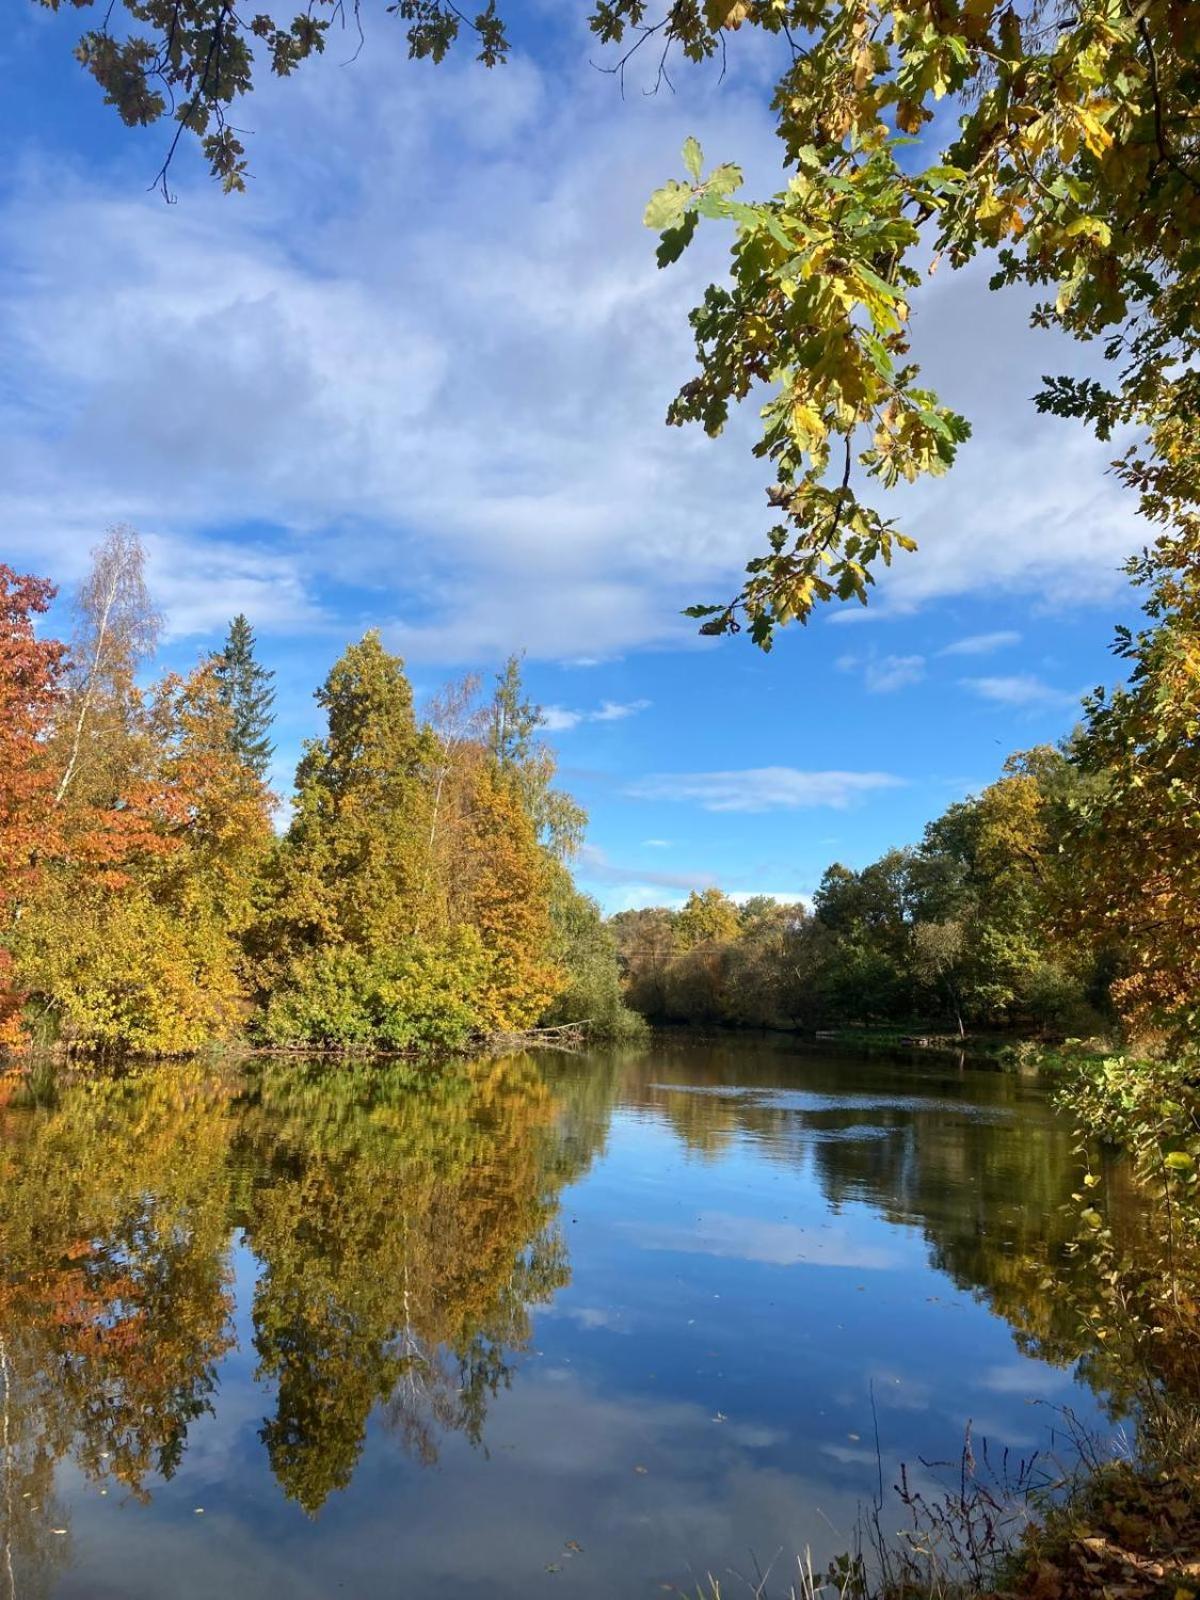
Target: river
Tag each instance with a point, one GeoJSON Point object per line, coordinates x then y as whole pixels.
{"type": "Point", "coordinates": [568, 1324]}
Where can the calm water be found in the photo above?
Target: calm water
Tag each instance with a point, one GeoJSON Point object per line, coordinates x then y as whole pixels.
{"type": "Point", "coordinates": [568, 1325]}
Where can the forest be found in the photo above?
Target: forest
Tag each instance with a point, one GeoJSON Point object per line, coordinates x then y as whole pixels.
{"type": "Point", "coordinates": [417, 899]}
{"type": "Point", "coordinates": [419, 896]}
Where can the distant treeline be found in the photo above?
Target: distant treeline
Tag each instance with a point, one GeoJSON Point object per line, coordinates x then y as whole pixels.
{"type": "Point", "coordinates": [418, 898]}
{"type": "Point", "coordinates": [1007, 914]}
{"type": "Point", "coordinates": [1064, 897]}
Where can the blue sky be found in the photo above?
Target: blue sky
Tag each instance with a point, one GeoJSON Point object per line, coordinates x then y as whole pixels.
{"type": "Point", "coordinates": [415, 379]}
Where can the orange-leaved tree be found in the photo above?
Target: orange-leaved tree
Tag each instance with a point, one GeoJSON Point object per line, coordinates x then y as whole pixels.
{"type": "Point", "coordinates": [30, 684]}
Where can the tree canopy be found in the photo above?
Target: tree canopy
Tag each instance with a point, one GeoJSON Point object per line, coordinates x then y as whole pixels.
{"type": "Point", "coordinates": [417, 901]}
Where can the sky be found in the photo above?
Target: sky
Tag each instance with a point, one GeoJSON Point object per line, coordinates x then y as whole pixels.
{"type": "Point", "coordinates": [416, 378]}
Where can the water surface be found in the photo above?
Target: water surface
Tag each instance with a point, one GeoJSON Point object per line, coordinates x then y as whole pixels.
{"type": "Point", "coordinates": [575, 1324]}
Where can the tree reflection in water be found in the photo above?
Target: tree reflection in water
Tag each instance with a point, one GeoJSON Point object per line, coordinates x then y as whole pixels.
{"type": "Point", "coordinates": [403, 1225]}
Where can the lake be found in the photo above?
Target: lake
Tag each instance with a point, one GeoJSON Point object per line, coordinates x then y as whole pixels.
{"type": "Point", "coordinates": [585, 1325]}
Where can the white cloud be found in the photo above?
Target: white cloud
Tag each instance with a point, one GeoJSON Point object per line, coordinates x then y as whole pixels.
{"type": "Point", "coordinates": [560, 719]}
{"type": "Point", "coordinates": [1021, 689]}
{"type": "Point", "coordinates": [981, 644]}
{"type": "Point", "coordinates": [884, 674]}
{"type": "Point", "coordinates": [763, 788]}
{"type": "Point", "coordinates": [440, 382]}
{"type": "Point", "coordinates": [656, 844]}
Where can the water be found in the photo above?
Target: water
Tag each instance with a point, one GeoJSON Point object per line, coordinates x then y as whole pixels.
{"type": "Point", "coordinates": [590, 1325]}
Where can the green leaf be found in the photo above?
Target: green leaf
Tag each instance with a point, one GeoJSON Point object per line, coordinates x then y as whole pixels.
{"type": "Point", "coordinates": [1180, 1161]}
{"type": "Point", "coordinates": [693, 159]}
{"type": "Point", "coordinates": [667, 205]}
{"type": "Point", "coordinates": [725, 178]}
{"type": "Point", "coordinates": [676, 240]}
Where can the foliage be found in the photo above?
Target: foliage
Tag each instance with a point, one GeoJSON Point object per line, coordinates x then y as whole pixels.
{"type": "Point", "coordinates": [971, 926]}
{"type": "Point", "coordinates": [246, 689]}
{"type": "Point", "coordinates": [506, 890]}
{"type": "Point", "coordinates": [116, 629]}
{"type": "Point", "coordinates": [147, 906]}
{"type": "Point", "coordinates": [1140, 1297]}
{"type": "Point", "coordinates": [1137, 833]}
{"type": "Point", "coordinates": [512, 723]}
{"type": "Point", "coordinates": [141, 949]}
{"type": "Point", "coordinates": [584, 948]}
{"type": "Point", "coordinates": [708, 915]}
{"type": "Point", "coordinates": [417, 997]}
{"type": "Point", "coordinates": [349, 867]}
{"type": "Point", "coordinates": [30, 675]}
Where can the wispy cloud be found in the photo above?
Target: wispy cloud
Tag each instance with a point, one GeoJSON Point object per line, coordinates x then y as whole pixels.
{"type": "Point", "coordinates": [762, 788]}
{"type": "Point", "coordinates": [595, 865]}
{"type": "Point", "coordinates": [981, 644]}
{"type": "Point", "coordinates": [1021, 689]}
{"type": "Point", "coordinates": [561, 719]}
{"type": "Point", "coordinates": [885, 674]}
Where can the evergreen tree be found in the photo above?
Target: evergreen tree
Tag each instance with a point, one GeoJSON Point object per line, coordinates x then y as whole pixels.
{"type": "Point", "coordinates": [246, 688]}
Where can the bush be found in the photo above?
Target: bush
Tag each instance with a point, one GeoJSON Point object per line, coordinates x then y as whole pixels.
{"type": "Point", "coordinates": [419, 997]}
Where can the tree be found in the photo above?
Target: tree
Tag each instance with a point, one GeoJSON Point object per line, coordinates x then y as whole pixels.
{"type": "Point", "coordinates": [115, 634]}
{"type": "Point", "coordinates": [351, 863]}
{"type": "Point", "coordinates": [1075, 159]}
{"type": "Point", "coordinates": [133, 938]}
{"type": "Point", "coordinates": [504, 895]}
{"type": "Point", "coordinates": [709, 916]}
{"type": "Point", "coordinates": [512, 727]}
{"type": "Point", "coordinates": [30, 679]}
{"type": "Point", "coordinates": [585, 949]}
{"type": "Point", "coordinates": [246, 688]}
{"type": "Point", "coordinates": [938, 949]}
{"type": "Point", "coordinates": [645, 942]}
{"type": "Point", "coordinates": [1134, 843]}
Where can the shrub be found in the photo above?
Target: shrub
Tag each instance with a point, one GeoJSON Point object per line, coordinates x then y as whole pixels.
{"type": "Point", "coordinates": [422, 996]}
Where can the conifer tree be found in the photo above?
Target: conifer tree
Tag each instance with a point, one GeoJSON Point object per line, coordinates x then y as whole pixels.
{"type": "Point", "coordinates": [246, 687]}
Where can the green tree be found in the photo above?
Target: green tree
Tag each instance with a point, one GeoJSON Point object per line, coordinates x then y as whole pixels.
{"type": "Point", "coordinates": [512, 740]}
{"type": "Point", "coordinates": [350, 866]}
{"type": "Point", "coordinates": [246, 687]}
{"type": "Point", "coordinates": [585, 949]}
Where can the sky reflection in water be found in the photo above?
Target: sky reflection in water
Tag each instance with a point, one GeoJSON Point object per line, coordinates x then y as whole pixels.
{"type": "Point", "coordinates": [582, 1324]}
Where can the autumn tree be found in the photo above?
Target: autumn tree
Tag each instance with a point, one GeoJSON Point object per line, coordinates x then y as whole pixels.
{"type": "Point", "coordinates": [708, 915]}
{"type": "Point", "coordinates": [350, 865]}
{"type": "Point", "coordinates": [584, 948]}
{"type": "Point", "coordinates": [134, 943]}
{"type": "Point", "coordinates": [505, 897]}
{"type": "Point", "coordinates": [1134, 847]}
{"type": "Point", "coordinates": [30, 685]}
{"type": "Point", "coordinates": [246, 688]}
